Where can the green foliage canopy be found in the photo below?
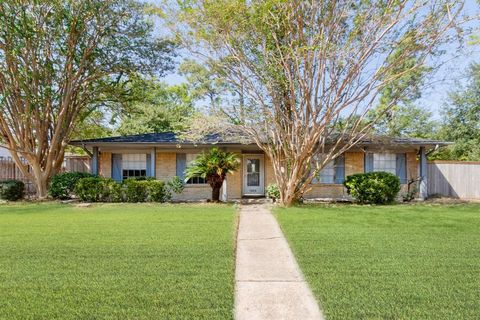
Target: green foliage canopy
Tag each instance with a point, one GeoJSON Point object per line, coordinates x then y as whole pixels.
{"type": "Point", "coordinates": [461, 120]}
{"type": "Point", "coordinates": [60, 61]}
{"type": "Point", "coordinates": [162, 108]}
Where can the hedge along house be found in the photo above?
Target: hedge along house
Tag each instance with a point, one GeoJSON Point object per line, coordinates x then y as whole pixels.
{"type": "Point", "coordinates": [164, 156]}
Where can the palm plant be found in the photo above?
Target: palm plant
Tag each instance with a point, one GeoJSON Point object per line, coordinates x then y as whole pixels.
{"type": "Point", "coordinates": [213, 166]}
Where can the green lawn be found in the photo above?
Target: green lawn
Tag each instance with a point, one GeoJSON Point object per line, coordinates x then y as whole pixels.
{"type": "Point", "coordinates": [116, 261]}
{"type": "Point", "coordinates": [389, 262]}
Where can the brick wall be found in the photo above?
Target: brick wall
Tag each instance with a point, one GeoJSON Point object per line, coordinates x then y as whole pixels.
{"type": "Point", "coordinates": [412, 165]}
{"type": "Point", "coordinates": [194, 192]}
{"type": "Point", "coordinates": [105, 164]}
{"type": "Point", "coordinates": [234, 180]}
{"type": "Point", "coordinates": [269, 173]}
{"type": "Point", "coordinates": [166, 169]}
{"type": "Point", "coordinates": [166, 165]}
{"type": "Point", "coordinates": [326, 191]}
{"type": "Point", "coordinates": [354, 163]}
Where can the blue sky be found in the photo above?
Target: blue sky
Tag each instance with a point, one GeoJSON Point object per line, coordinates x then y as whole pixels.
{"type": "Point", "coordinates": [454, 71]}
{"type": "Point", "coordinates": [439, 83]}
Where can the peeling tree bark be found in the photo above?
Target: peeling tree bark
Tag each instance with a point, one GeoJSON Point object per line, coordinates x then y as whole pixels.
{"type": "Point", "coordinates": [310, 71]}
{"type": "Point", "coordinates": [60, 60]}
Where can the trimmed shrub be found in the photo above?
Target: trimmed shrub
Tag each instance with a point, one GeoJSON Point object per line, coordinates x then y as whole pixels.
{"type": "Point", "coordinates": [90, 189]}
{"type": "Point", "coordinates": [63, 184]}
{"type": "Point", "coordinates": [273, 192]}
{"type": "Point", "coordinates": [12, 190]}
{"type": "Point", "coordinates": [157, 191]}
{"type": "Point", "coordinates": [142, 178]}
{"type": "Point", "coordinates": [110, 190]}
{"type": "Point", "coordinates": [96, 189]}
{"type": "Point", "coordinates": [136, 190]}
{"type": "Point", "coordinates": [114, 190]}
{"type": "Point", "coordinates": [373, 187]}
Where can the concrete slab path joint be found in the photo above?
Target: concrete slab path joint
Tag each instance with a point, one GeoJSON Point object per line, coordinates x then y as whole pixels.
{"type": "Point", "coordinates": [268, 281]}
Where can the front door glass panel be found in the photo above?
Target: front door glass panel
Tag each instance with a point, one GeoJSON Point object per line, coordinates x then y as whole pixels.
{"type": "Point", "coordinates": [253, 172]}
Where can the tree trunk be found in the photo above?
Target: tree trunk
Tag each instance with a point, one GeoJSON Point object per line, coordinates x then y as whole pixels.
{"type": "Point", "coordinates": [289, 200]}
{"type": "Point", "coordinates": [40, 180]}
{"type": "Point", "coordinates": [41, 184]}
{"type": "Point", "coordinates": [290, 183]}
{"type": "Point", "coordinates": [215, 181]}
{"type": "Point", "coordinates": [216, 194]}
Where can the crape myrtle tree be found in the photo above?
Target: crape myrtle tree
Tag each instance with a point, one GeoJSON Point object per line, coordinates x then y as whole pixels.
{"type": "Point", "coordinates": [304, 65]}
{"type": "Point", "coordinates": [61, 59]}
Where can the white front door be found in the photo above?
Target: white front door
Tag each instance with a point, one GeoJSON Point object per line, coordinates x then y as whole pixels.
{"type": "Point", "coordinates": [253, 184]}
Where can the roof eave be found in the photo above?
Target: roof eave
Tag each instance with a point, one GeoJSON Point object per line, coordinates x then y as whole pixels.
{"type": "Point", "coordinates": [151, 144]}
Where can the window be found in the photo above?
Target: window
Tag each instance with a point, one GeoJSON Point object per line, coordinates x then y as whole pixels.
{"type": "Point", "coordinates": [394, 163]}
{"type": "Point", "coordinates": [332, 173]}
{"type": "Point", "coordinates": [134, 165]}
{"type": "Point", "coordinates": [327, 175]}
{"type": "Point", "coordinates": [386, 162]}
{"type": "Point", "coordinates": [195, 180]}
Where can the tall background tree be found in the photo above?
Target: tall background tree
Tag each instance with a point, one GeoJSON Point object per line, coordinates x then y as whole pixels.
{"type": "Point", "coordinates": [396, 113]}
{"type": "Point", "coordinates": [405, 120]}
{"type": "Point", "coordinates": [203, 83]}
{"type": "Point", "coordinates": [302, 66]}
{"type": "Point", "coordinates": [461, 120]}
{"type": "Point", "coordinates": [160, 108]}
{"type": "Point", "coordinates": [59, 61]}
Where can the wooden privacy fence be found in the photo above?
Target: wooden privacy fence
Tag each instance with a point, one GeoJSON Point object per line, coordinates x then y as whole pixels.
{"type": "Point", "coordinates": [9, 170]}
{"type": "Point", "coordinates": [76, 164]}
{"type": "Point", "coordinates": [454, 179]}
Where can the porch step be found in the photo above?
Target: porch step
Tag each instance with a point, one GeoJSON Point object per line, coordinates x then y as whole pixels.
{"type": "Point", "coordinates": [254, 200]}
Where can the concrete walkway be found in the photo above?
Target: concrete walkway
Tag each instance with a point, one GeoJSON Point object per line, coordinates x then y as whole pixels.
{"type": "Point", "coordinates": [269, 284]}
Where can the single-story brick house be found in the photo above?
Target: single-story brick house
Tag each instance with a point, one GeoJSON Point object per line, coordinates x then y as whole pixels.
{"type": "Point", "coordinates": [164, 155]}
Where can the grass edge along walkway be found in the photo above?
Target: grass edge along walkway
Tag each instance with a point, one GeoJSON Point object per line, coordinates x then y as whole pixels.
{"type": "Point", "coordinates": [269, 284]}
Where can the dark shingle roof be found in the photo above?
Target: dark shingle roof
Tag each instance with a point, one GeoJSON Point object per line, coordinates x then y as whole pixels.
{"type": "Point", "coordinates": [156, 138]}
{"type": "Point", "coordinates": [174, 139]}
{"type": "Point", "coordinates": [378, 140]}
